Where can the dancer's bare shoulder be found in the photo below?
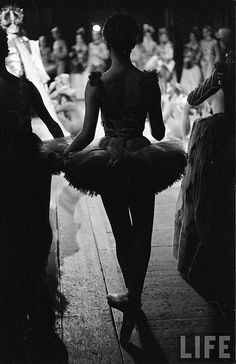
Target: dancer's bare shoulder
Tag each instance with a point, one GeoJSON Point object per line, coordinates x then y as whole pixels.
{"type": "Point", "coordinates": [126, 72]}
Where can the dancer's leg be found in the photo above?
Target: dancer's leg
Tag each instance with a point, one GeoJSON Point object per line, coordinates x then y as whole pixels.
{"type": "Point", "coordinates": [142, 212]}
{"type": "Point", "coordinates": [118, 213]}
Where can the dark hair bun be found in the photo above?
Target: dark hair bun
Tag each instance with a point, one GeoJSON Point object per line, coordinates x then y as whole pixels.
{"type": "Point", "coordinates": [120, 32]}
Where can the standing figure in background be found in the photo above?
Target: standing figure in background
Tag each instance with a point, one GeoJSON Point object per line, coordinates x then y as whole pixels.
{"type": "Point", "coordinates": [149, 48]}
{"type": "Point", "coordinates": [60, 52]}
{"type": "Point", "coordinates": [209, 52]}
{"type": "Point", "coordinates": [191, 74]}
{"type": "Point", "coordinates": [79, 53]}
{"type": "Point", "coordinates": [98, 53]}
{"type": "Point", "coordinates": [78, 64]}
{"type": "Point", "coordinates": [166, 63]}
{"type": "Point", "coordinates": [46, 55]}
{"type": "Point", "coordinates": [225, 38]}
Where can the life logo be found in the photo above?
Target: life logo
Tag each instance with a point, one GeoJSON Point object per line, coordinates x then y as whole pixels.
{"type": "Point", "coordinates": [207, 347]}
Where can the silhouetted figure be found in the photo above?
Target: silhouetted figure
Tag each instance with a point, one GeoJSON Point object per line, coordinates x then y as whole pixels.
{"type": "Point", "coordinates": [125, 168]}
{"type": "Point", "coordinates": [204, 225]}
{"type": "Point", "coordinates": [26, 312]}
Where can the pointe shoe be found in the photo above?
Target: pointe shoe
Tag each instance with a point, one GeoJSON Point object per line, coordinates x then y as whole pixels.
{"type": "Point", "coordinates": [123, 302]}
{"type": "Point", "coordinates": [127, 327]}
{"type": "Point", "coordinates": [116, 297]}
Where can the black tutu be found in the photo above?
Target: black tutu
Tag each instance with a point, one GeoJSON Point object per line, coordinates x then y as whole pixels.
{"type": "Point", "coordinates": [120, 163]}
{"type": "Point", "coordinates": [24, 154]}
{"type": "Point", "coordinates": [26, 166]}
{"type": "Point", "coordinates": [51, 152]}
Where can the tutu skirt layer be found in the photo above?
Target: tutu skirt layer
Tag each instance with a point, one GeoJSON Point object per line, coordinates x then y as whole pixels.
{"type": "Point", "coordinates": [23, 154]}
{"type": "Point", "coordinates": [98, 169]}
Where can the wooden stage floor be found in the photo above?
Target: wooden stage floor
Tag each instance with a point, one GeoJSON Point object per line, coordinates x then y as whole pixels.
{"type": "Point", "coordinates": [83, 268]}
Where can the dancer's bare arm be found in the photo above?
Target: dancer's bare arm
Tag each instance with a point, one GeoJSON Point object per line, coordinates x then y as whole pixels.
{"type": "Point", "coordinates": [38, 105]}
{"type": "Point", "coordinates": [86, 136]}
{"type": "Point", "coordinates": [155, 115]}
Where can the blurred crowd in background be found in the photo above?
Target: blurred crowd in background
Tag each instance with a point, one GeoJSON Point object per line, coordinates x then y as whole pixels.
{"type": "Point", "coordinates": [155, 51]}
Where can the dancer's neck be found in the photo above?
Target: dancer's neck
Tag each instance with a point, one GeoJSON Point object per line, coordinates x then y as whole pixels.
{"type": "Point", "coordinates": [120, 61]}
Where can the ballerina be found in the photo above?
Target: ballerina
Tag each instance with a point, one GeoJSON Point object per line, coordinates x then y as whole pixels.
{"type": "Point", "coordinates": [46, 55]}
{"type": "Point", "coordinates": [125, 168]}
{"type": "Point", "coordinates": [191, 73]}
{"type": "Point", "coordinates": [60, 51]}
{"type": "Point", "coordinates": [97, 53]}
{"type": "Point", "coordinates": [209, 52]}
{"type": "Point", "coordinates": [149, 48]}
{"type": "Point", "coordinates": [78, 64]}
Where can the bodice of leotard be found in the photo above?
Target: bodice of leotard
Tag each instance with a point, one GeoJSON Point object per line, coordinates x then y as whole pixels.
{"type": "Point", "coordinates": [127, 123]}
{"type": "Point", "coordinates": [124, 114]}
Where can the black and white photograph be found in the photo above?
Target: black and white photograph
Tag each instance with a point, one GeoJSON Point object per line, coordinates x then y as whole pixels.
{"type": "Point", "coordinates": [117, 182]}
